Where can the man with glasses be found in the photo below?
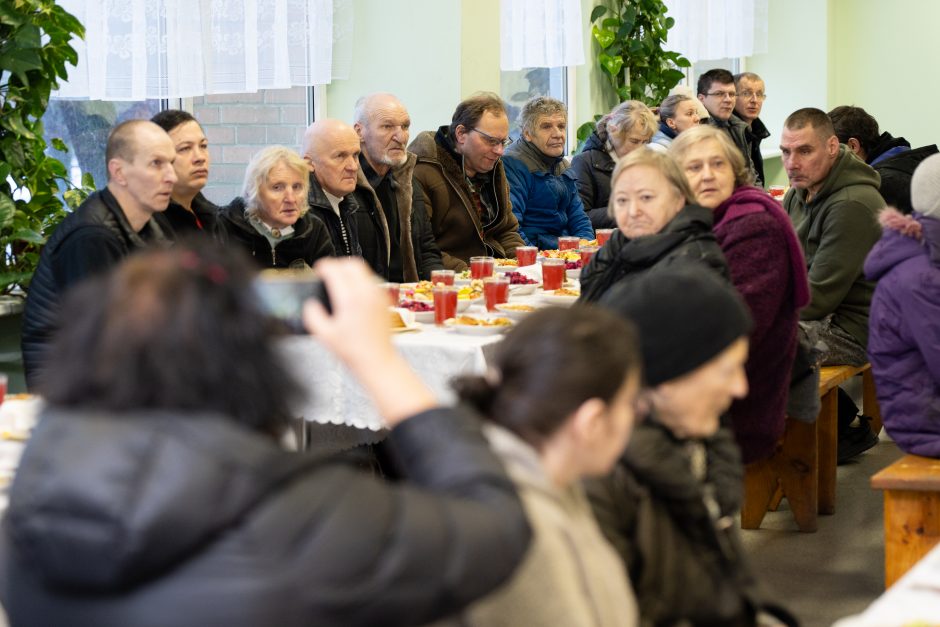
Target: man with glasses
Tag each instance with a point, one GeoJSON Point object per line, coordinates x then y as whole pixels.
{"type": "Point", "coordinates": [464, 184]}
{"type": "Point", "coordinates": [717, 92]}
{"type": "Point", "coordinates": [750, 101]}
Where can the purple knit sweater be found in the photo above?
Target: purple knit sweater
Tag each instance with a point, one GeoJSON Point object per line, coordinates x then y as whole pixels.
{"type": "Point", "coordinates": [769, 270]}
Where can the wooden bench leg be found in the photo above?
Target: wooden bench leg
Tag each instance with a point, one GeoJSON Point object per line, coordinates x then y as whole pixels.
{"type": "Point", "coordinates": [760, 484]}
{"type": "Point", "coordinates": [799, 479]}
{"type": "Point", "coordinates": [870, 406]}
{"type": "Point", "coordinates": [827, 438]}
{"type": "Point", "coordinates": [912, 528]}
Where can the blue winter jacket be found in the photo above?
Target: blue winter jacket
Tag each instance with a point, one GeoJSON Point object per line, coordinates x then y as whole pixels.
{"type": "Point", "coordinates": [545, 203]}
{"type": "Point", "coordinates": [904, 330]}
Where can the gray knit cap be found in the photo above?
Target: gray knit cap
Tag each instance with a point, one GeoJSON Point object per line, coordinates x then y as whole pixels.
{"type": "Point", "coordinates": [925, 187]}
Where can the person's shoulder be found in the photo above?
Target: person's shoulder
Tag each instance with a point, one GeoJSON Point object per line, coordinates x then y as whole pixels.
{"type": "Point", "coordinates": [424, 147]}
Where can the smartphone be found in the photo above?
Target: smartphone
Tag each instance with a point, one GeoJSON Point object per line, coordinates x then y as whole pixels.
{"type": "Point", "coordinates": [282, 294]}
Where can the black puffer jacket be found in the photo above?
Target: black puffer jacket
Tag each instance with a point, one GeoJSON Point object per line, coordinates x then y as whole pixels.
{"type": "Point", "coordinates": [309, 242]}
{"type": "Point", "coordinates": [896, 170]}
{"type": "Point", "coordinates": [687, 238]}
{"type": "Point", "coordinates": [92, 239]}
{"type": "Point", "coordinates": [675, 531]}
{"type": "Point", "coordinates": [591, 169]}
{"type": "Point", "coordinates": [177, 222]}
{"type": "Point", "coordinates": [157, 519]}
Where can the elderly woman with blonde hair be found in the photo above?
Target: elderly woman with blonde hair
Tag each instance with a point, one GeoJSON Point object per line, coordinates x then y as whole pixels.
{"type": "Point", "coordinates": [270, 219]}
{"type": "Point", "coordinates": [767, 268]}
{"type": "Point", "coordinates": [629, 126]}
{"type": "Point", "coordinates": [657, 222]}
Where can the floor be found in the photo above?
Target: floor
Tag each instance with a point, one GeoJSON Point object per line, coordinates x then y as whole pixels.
{"type": "Point", "coordinates": [838, 570]}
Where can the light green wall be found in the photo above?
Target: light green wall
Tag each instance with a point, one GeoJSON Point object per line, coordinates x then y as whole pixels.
{"type": "Point", "coordinates": [411, 48]}
{"type": "Point", "coordinates": [884, 57]}
{"type": "Point", "coordinates": [479, 45]}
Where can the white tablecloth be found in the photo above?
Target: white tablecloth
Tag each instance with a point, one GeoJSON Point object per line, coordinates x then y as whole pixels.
{"type": "Point", "coordinates": [437, 355]}
{"type": "Point", "coordinates": [17, 418]}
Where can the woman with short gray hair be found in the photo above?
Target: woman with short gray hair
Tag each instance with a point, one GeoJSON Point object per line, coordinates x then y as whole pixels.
{"type": "Point", "coordinates": [546, 203]}
{"type": "Point", "coordinates": [270, 219]}
{"type": "Point", "coordinates": [629, 126]}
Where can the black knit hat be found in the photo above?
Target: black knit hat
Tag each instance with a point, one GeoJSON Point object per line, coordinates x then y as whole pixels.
{"type": "Point", "coordinates": [685, 315]}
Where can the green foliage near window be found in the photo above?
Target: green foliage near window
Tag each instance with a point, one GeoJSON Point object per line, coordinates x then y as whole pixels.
{"type": "Point", "coordinates": [631, 35]}
{"type": "Point", "coordinates": [35, 49]}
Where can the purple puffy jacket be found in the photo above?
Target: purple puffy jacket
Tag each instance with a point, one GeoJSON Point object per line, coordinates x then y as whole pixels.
{"type": "Point", "coordinates": [904, 329]}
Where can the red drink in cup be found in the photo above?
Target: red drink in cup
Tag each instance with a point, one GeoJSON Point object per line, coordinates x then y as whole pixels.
{"type": "Point", "coordinates": [496, 291]}
{"type": "Point", "coordinates": [603, 235]}
{"type": "Point", "coordinates": [394, 292]}
{"type": "Point", "coordinates": [777, 191]}
{"type": "Point", "coordinates": [482, 267]}
{"type": "Point", "coordinates": [525, 255]}
{"type": "Point", "coordinates": [553, 273]}
{"type": "Point", "coordinates": [3, 387]}
{"type": "Point", "coordinates": [445, 303]}
{"type": "Point", "coordinates": [568, 242]}
{"type": "Point", "coordinates": [442, 276]}
{"type": "Point", "coordinates": [586, 253]}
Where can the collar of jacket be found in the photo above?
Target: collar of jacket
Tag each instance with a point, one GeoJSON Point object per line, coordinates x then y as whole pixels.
{"type": "Point", "coordinates": [596, 150]}
{"type": "Point", "coordinates": [756, 129]}
{"type": "Point", "coordinates": [534, 159]}
{"type": "Point", "coordinates": [667, 131]}
{"type": "Point", "coordinates": [402, 179]}
{"type": "Point", "coordinates": [156, 236]}
{"type": "Point", "coordinates": [363, 187]}
{"type": "Point", "coordinates": [316, 197]}
{"type": "Point", "coordinates": [234, 212]}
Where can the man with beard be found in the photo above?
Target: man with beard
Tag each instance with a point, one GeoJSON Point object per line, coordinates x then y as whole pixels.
{"type": "Point", "coordinates": [386, 181]}
{"type": "Point", "coordinates": [464, 184]}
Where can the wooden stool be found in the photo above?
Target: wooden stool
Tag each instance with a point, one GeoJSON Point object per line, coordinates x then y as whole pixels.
{"type": "Point", "coordinates": [912, 512]}
{"type": "Point", "coordinates": [803, 468]}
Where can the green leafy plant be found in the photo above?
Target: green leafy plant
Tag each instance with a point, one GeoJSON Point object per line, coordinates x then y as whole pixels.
{"type": "Point", "coordinates": [631, 35]}
{"type": "Point", "coordinates": [35, 49]}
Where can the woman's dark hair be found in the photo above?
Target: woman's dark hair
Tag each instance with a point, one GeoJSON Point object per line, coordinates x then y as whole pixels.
{"type": "Point", "coordinates": [551, 363]}
{"type": "Point", "coordinates": [171, 118]}
{"type": "Point", "coordinates": [176, 329]}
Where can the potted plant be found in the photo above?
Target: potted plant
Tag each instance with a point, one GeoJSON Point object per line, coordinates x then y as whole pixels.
{"type": "Point", "coordinates": [631, 35]}
{"type": "Point", "coordinates": [35, 48]}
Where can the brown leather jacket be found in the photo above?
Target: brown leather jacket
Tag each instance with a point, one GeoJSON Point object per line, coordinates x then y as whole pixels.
{"type": "Point", "coordinates": [457, 227]}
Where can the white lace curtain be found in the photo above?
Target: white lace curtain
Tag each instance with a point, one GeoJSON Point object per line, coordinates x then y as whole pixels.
{"type": "Point", "coordinates": [718, 29]}
{"type": "Point", "coordinates": [540, 33]}
{"type": "Point", "coordinates": [142, 49]}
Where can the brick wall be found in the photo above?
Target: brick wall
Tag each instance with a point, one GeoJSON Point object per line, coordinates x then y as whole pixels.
{"type": "Point", "coordinates": [239, 125]}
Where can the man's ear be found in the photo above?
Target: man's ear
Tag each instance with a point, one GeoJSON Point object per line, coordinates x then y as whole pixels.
{"type": "Point", "coordinates": [832, 146]}
{"type": "Point", "coordinates": [701, 98]}
{"type": "Point", "coordinates": [587, 422]}
{"type": "Point", "coordinates": [358, 128]}
{"type": "Point", "coordinates": [855, 146]}
{"type": "Point", "coordinates": [460, 134]}
{"type": "Point", "coordinates": [309, 162]}
{"type": "Point", "coordinates": [116, 171]}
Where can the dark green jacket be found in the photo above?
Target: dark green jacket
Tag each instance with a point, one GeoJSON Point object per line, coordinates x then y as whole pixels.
{"type": "Point", "coordinates": [837, 228]}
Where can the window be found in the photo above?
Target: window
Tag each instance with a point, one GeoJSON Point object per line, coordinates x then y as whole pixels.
{"type": "Point", "coordinates": [237, 126]}
{"type": "Point", "coordinates": [518, 86]}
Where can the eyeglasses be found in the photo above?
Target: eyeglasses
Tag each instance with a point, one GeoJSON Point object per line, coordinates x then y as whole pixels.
{"type": "Point", "coordinates": [722, 94]}
{"type": "Point", "coordinates": [493, 142]}
{"type": "Point", "coordinates": [748, 94]}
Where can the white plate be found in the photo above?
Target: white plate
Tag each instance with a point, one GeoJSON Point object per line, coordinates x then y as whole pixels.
{"type": "Point", "coordinates": [555, 299]}
{"type": "Point", "coordinates": [513, 314]}
{"type": "Point", "coordinates": [469, 329]}
{"type": "Point", "coordinates": [424, 316]}
{"type": "Point", "coordinates": [506, 268]}
{"type": "Point", "coordinates": [459, 281]}
{"type": "Point", "coordinates": [574, 274]}
{"type": "Point", "coordinates": [464, 303]}
{"type": "Point", "coordinates": [524, 289]}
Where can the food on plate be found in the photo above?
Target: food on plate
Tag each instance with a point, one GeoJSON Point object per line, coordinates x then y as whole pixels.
{"type": "Point", "coordinates": [417, 306]}
{"type": "Point", "coordinates": [567, 255]}
{"type": "Point", "coordinates": [395, 320]}
{"type": "Point", "coordinates": [573, 265]}
{"type": "Point", "coordinates": [566, 292]}
{"type": "Point", "coordinates": [422, 291]}
{"type": "Point", "coordinates": [463, 276]}
{"type": "Point", "coordinates": [517, 278]}
{"type": "Point", "coordinates": [507, 262]}
{"type": "Point", "coordinates": [516, 307]}
{"type": "Point", "coordinates": [470, 321]}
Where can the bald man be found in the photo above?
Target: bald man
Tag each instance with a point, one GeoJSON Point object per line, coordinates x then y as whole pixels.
{"type": "Point", "coordinates": [386, 175]}
{"type": "Point", "coordinates": [106, 228]}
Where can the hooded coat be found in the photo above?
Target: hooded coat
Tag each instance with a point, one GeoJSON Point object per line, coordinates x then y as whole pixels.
{"type": "Point", "coordinates": [591, 169]}
{"type": "Point", "coordinates": [904, 336]}
{"type": "Point", "coordinates": [162, 518]}
{"type": "Point", "coordinates": [545, 202]}
{"type": "Point", "coordinates": [768, 270]}
{"type": "Point", "coordinates": [448, 199]}
{"type": "Point", "coordinates": [895, 160]}
{"type": "Point", "coordinates": [837, 229]}
{"type": "Point", "coordinates": [687, 238]}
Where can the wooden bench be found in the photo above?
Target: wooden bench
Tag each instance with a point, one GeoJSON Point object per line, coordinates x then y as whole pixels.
{"type": "Point", "coordinates": [912, 512]}
{"type": "Point", "coordinates": [803, 468]}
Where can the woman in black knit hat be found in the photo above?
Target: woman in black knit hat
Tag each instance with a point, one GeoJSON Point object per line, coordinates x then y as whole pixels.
{"type": "Point", "coordinates": [668, 506]}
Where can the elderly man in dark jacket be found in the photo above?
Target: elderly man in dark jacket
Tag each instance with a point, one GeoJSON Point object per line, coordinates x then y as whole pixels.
{"type": "Point", "coordinates": [106, 228]}
{"type": "Point", "coordinates": [464, 184]}
{"type": "Point", "coordinates": [386, 181]}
